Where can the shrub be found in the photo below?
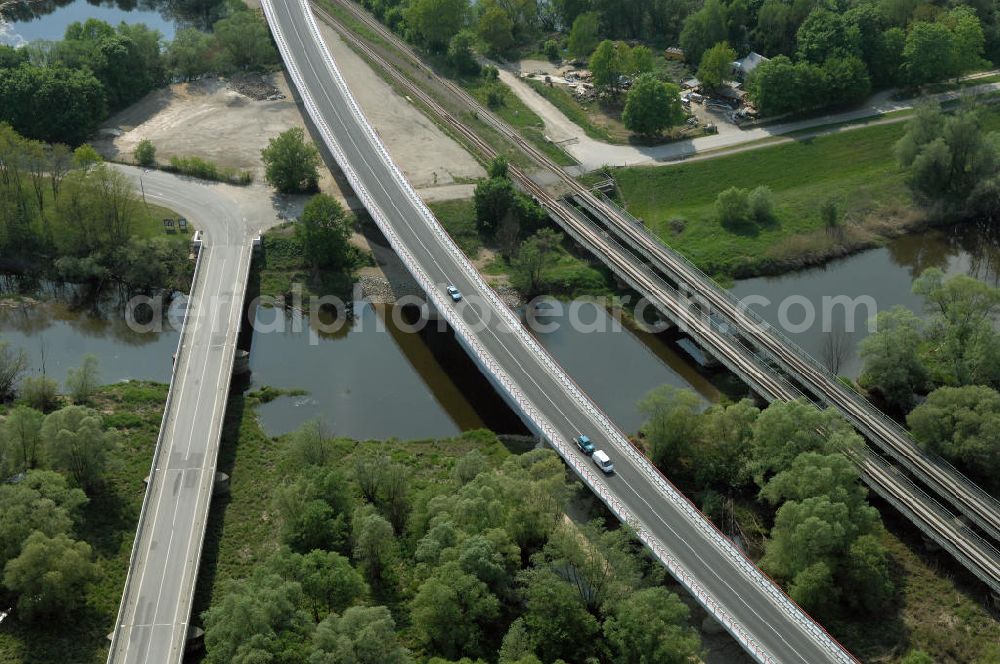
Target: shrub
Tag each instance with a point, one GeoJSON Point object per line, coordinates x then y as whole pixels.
{"type": "Point", "coordinates": [39, 392]}
{"type": "Point", "coordinates": [761, 204]}
{"type": "Point", "coordinates": [496, 96]}
{"type": "Point", "coordinates": [145, 153]}
{"type": "Point", "coordinates": [552, 49]}
{"type": "Point", "coordinates": [733, 205]}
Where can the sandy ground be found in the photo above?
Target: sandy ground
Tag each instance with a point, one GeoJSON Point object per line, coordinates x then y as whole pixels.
{"type": "Point", "coordinates": [206, 119]}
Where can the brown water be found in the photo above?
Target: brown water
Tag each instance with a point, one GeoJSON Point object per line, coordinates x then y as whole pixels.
{"type": "Point", "coordinates": [374, 380]}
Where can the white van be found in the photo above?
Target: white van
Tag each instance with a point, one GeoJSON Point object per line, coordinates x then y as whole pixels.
{"type": "Point", "coordinates": [603, 462]}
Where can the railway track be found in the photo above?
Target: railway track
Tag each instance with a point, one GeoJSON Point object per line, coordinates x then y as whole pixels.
{"type": "Point", "coordinates": [748, 353]}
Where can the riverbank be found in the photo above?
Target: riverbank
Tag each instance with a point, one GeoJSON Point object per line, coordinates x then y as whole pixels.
{"type": "Point", "coordinates": [855, 171]}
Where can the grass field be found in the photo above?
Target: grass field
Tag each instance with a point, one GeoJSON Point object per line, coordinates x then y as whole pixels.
{"type": "Point", "coordinates": [109, 520]}
{"type": "Point", "coordinates": [855, 169]}
{"type": "Point", "coordinates": [459, 218]}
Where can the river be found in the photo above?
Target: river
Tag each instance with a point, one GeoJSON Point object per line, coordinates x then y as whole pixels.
{"type": "Point", "coordinates": [875, 280]}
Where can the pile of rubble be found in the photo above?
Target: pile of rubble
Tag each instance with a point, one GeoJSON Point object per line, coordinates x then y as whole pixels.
{"type": "Point", "coordinates": [255, 87]}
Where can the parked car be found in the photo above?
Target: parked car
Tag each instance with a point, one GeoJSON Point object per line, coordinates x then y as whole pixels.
{"type": "Point", "coordinates": [583, 442]}
{"type": "Point", "coordinates": [455, 294]}
{"type": "Point", "coordinates": [603, 461]}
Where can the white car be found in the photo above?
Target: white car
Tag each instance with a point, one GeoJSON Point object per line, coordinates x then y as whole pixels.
{"type": "Point", "coordinates": [603, 461]}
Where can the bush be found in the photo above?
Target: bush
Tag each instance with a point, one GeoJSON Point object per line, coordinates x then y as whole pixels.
{"type": "Point", "coordinates": [552, 50]}
{"type": "Point", "coordinates": [39, 392]}
{"type": "Point", "coordinates": [197, 167]}
{"type": "Point", "coordinates": [496, 96]}
{"type": "Point", "coordinates": [733, 205]}
{"type": "Point", "coordinates": [761, 204]}
{"type": "Point", "coordinates": [145, 153]}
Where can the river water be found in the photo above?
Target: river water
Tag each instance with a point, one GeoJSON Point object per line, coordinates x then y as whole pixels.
{"type": "Point", "coordinates": [876, 280]}
{"type": "Point", "coordinates": [374, 380]}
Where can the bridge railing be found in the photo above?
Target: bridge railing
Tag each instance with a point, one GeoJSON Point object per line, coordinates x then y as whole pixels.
{"type": "Point", "coordinates": [526, 407]}
{"type": "Point", "coordinates": [766, 328]}
{"type": "Point", "coordinates": [197, 245]}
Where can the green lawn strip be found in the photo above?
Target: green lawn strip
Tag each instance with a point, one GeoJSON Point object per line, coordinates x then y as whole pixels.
{"type": "Point", "coordinates": [459, 218]}
{"type": "Point", "coordinates": [856, 169]}
{"type": "Point", "coordinates": [109, 520]}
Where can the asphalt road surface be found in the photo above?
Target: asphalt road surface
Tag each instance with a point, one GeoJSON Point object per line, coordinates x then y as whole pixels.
{"type": "Point", "coordinates": [154, 618]}
{"type": "Point", "coordinates": [782, 637]}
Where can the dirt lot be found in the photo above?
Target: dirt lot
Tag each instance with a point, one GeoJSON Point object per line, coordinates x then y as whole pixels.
{"type": "Point", "coordinates": [210, 120]}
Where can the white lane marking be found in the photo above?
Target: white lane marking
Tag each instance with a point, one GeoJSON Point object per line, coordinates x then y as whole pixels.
{"type": "Point", "coordinates": [433, 258]}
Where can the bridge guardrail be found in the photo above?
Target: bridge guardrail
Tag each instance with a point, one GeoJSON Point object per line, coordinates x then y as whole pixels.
{"type": "Point", "coordinates": [766, 328]}
{"type": "Point", "coordinates": [156, 449]}
{"type": "Point", "coordinates": [541, 423]}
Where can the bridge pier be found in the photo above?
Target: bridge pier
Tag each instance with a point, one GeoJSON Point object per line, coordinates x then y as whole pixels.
{"type": "Point", "coordinates": [220, 487]}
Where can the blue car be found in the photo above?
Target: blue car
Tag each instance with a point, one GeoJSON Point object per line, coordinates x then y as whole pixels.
{"type": "Point", "coordinates": [585, 445]}
{"type": "Point", "coordinates": [454, 293]}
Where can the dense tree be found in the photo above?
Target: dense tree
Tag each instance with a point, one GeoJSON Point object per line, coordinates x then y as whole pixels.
{"type": "Point", "coordinates": [609, 64]}
{"type": "Point", "coordinates": [716, 65]}
{"type": "Point", "coordinates": [583, 36]}
{"type": "Point", "coordinates": [75, 442]}
{"type": "Point", "coordinates": [703, 28]}
{"type": "Point", "coordinates": [50, 576]}
{"type": "Point", "coordinates": [435, 22]}
{"type": "Point", "coordinates": [469, 466]}
{"type": "Point", "coordinates": [191, 54]}
{"type": "Point", "coordinates": [52, 103]}
{"type": "Point", "coordinates": [786, 429]}
{"type": "Point", "coordinates": [732, 206]}
{"type": "Point", "coordinates": [41, 501]}
{"type": "Point", "coordinates": [555, 617]}
{"type": "Point", "coordinates": [517, 644]}
{"type": "Point", "coordinates": [719, 457]}
{"type": "Point", "coordinates": [650, 627]}
{"type": "Point", "coordinates": [259, 619]}
{"type": "Point", "coordinates": [40, 392]}
{"type": "Point", "coordinates": [362, 635]}
{"type": "Point", "coordinates": [312, 511]}
{"type": "Point", "coordinates": [311, 444]}
{"type": "Point", "coordinates": [930, 53]}
{"type": "Point", "coordinates": [824, 35]}
{"type": "Point", "coordinates": [599, 563]}
{"type": "Point", "coordinates": [495, 27]}
{"type": "Point", "coordinates": [672, 425]}
{"type": "Point", "coordinates": [652, 106]}
{"type": "Point", "coordinates": [494, 199]}
{"type": "Point", "coordinates": [291, 164]}
{"type": "Point", "coordinates": [329, 583]}
{"type": "Point", "coordinates": [461, 53]}
{"type": "Point", "coordinates": [531, 260]}
{"type": "Point", "coordinates": [961, 424]}
{"type": "Point", "coordinates": [374, 543]}
{"type": "Point", "coordinates": [244, 41]}
{"type": "Point", "coordinates": [892, 364]}
{"type": "Point", "coordinates": [324, 231]}
{"type": "Point", "coordinates": [451, 610]}
{"type": "Point", "coordinates": [866, 572]}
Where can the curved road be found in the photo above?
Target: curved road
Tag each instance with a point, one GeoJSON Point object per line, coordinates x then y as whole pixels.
{"type": "Point", "coordinates": [752, 609]}
{"type": "Point", "coordinates": [156, 605]}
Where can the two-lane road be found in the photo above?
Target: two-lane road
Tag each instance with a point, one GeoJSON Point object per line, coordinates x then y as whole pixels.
{"type": "Point", "coordinates": [771, 628]}
{"type": "Point", "coordinates": [156, 606]}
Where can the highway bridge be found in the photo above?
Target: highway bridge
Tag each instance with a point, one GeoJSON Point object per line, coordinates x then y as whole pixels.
{"type": "Point", "coordinates": [922, 487]}
{"type": "Point", "coordinates": [153, 617]}
{"type": "Point", "coordinates": [750, 606]}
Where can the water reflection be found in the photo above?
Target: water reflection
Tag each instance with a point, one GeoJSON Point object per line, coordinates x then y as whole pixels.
{"type": "Point", "coordinates": [886, 274]}
{"type": "Point", "coordinates": [20, 21]}
{"type": "Point", "coordinates": [618, 366]}
{"type": "Point", "coordinates": [366, 380]}
{"type": "Point", "coordinates": [57, 324]}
